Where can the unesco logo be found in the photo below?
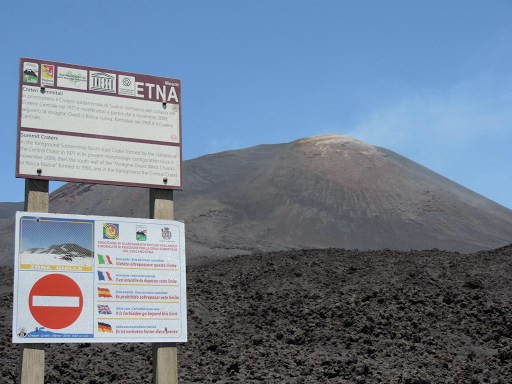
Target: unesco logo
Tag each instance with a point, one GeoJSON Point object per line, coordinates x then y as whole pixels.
{"type": "Point", "coordinates": [102, 82]}
{"type": "Point", "coordinates": [127, 82]}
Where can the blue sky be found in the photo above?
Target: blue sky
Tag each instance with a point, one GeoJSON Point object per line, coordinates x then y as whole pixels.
{"type": "Point", "coordinates": [431, 81]}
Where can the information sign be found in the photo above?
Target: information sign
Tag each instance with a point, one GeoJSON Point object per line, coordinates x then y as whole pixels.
{"type": "Point", "coordinates": [86, 124]}
{"type": "Point", "coordinates": [98, 279]}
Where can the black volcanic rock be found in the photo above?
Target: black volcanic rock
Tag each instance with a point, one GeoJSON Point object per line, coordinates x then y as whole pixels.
{"type": "Point", "coordinates": [323, 191]}
{"type": "Point", "coordinates": [317, 316]}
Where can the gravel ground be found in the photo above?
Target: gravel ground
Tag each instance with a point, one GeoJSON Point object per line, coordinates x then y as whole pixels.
{"type": "Point", "coordinates": [318, 316]}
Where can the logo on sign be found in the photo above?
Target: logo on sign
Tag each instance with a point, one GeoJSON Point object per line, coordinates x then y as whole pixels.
{"type": "Point", "coordinates": [22, 332]}
{"type": "Point", "coordinates": [126, 85]}
{"type": "Point", "coordinates": [111, 231]}
{"type": "Point", "coordinates": [166, 233]}
{"type": "Point", "coordinates": [142, 232]}
{"type": "Point", "coordinates": [47, 74]}
{"type": "Point", "coordinates": [71, 78]}
{"type": "Point", "coordinates": [30, 72]}
{"type": "Point", "coordinates": [102, 82]}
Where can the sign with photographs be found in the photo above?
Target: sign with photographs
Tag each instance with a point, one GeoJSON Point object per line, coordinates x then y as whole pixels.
{"type": "Point", "coordinates": [98, 279]}
{"type": "Point", "coordinates": [95, 125]}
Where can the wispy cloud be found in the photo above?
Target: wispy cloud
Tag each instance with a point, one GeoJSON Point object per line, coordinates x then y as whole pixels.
{"type": "Point", "coordinates": [432, 126]}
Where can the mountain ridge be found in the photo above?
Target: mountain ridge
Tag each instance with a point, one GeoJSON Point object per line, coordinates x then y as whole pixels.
{"type": "Point", "coordinates": [70, 249]}
{"type": "Point", "coordinates": [317, 192]}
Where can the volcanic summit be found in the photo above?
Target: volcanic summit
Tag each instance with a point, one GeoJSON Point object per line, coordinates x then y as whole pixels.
{"type": "Point", "coordinates": [318, 192]}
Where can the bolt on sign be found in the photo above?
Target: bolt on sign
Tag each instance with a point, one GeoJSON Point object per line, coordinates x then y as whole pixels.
{"type": "Point", "coordinates": [86, 124]}
{"type": "Point", "coordinates": [98, 279]}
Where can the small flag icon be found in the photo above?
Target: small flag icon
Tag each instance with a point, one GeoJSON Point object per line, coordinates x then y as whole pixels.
{"type": "Point", "coordinates": [104, 327]}
{"type": "Point", "coordinates": [104, 292]}
{"type": "Point", "coordinates": [104, 310]}
{"type": "Point", "coordinates": [101, 276]}
{"type": "Point", "coordinates": [101, 260]}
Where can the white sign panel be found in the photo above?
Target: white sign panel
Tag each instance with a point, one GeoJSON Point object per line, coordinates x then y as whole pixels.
{"type": "Point", "coordinates": [98, 279]}
{"type": "Point", "coordinates": [73, 119]}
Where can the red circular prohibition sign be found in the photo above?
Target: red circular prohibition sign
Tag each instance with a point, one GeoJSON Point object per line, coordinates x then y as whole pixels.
{"type": "Point", "coordinates": [55, 301]}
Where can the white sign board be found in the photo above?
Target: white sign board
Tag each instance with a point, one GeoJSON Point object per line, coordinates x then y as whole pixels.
{"type": "Point", "coordinates": [87, 124]}
{"type": "Point", "coordinates": [98, 279]}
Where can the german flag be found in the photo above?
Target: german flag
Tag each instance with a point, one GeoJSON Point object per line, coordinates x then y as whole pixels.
{"type": "Point", "coordinates": [104, 292]}
{"type": "Point", "coordinates": [104, 327]}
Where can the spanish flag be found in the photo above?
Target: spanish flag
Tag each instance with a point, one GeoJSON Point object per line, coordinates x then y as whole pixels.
{"type": "Point", "coordinates": [104, 292]}
{"type": "Point", "coordinates": [104, 327]}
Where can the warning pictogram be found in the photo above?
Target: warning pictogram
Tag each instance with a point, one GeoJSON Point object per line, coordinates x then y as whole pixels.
{"type": "Point", "coordinates": [55, 301]}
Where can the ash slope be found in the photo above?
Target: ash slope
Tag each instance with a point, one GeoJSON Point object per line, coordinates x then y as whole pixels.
{"type": "Point", "coordinates": [319, 316]}
{"type": "Point", "coordinates": [323, 191]}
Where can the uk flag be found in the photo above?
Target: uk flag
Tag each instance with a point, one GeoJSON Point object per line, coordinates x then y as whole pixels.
{"type": "Point", "coordinates": [104, 310]}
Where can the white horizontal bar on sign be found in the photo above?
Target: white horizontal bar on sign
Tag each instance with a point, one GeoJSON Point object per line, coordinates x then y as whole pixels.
{"type": "Point", "coordinates": [55, 301]}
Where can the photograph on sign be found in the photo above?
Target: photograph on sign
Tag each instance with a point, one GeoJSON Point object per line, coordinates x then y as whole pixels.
{"type": "Point", "coordinates": [56, 244]}
{"type": "Point", "coordinates": [78, 123]}
{"type": "Point", "coordinates": [103, 279]}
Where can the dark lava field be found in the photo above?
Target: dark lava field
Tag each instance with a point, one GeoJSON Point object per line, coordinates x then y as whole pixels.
{"type": "Point", "coordinates": [318, 316]}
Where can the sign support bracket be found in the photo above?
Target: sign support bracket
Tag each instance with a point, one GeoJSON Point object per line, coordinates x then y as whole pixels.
{"type": "Point", "coordinates": [31, 370]}
{"type": "Point", "coordinates": [165, 355]}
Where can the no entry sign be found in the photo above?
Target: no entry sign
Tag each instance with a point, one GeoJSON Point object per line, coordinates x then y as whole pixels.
{"type": "Point", "coordinates": [98, 279]}
{"type": "Point", "coordinates": [56, 301]}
